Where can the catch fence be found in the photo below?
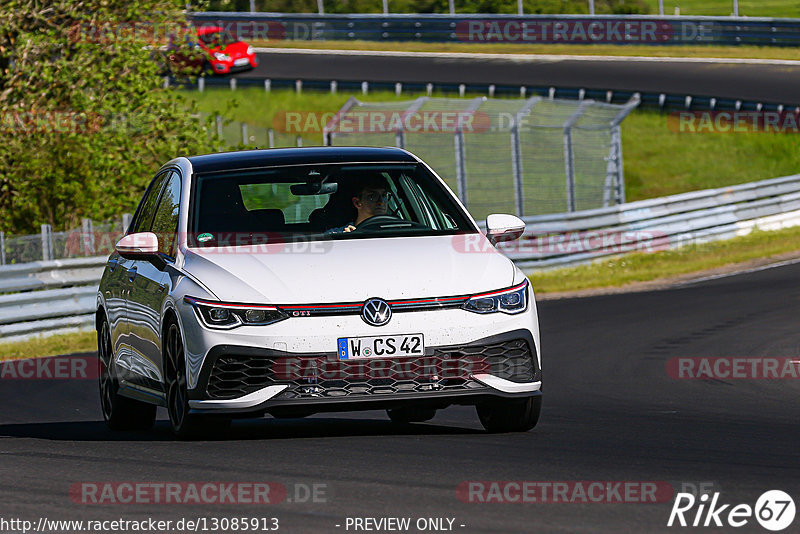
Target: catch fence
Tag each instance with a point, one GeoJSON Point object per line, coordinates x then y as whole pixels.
{"type": "Point", "coordinates": [524, 156]}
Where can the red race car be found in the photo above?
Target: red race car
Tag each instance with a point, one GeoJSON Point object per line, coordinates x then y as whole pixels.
{"type": "Point", "coordinates": [217, 52]}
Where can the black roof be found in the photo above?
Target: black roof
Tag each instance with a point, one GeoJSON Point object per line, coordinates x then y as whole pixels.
{"type": "Point", "coordinates": [245, 159]}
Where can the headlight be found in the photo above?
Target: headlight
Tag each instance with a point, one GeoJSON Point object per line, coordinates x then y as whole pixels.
{"type": "Point", "coordinates": [511, 301]}
{"type": "Point", "coordinates": [250, 50]}
{"type": "Point", "coordinates": [222, 57]}
{"type": "Point", "coordinates": [225, 315]}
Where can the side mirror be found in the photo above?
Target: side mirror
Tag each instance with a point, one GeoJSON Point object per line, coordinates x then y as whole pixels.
{"type": "Point", "coordinates": [138, 246]}
{"type": "Point", "coordinates": [501, 227]}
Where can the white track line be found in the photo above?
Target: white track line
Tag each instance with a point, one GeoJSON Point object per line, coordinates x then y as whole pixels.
{"type": "Point", "coordinates": [736, 273]}
{"type": "Point", "coordinates": [526, 57]}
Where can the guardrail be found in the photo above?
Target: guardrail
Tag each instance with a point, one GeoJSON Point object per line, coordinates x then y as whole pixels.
{"type": "Point", "coordinates": [649, 225]}
{"type": "Point", "coordinates": [568, 29]}
{"type": "Point", "coordinates": [662, 101]}
{"type": "Point", "coordinates": [48, 296]}
{"type": "Point", "coordinates": [54, 296]}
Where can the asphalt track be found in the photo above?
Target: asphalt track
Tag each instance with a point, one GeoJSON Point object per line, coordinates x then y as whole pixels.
{"type": "Point", "coordinates": [768, 82]}
{"type": "Point", "coordinates": [611, 413]}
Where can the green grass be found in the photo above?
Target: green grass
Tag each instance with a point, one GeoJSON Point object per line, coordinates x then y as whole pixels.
{"type": "Point", "coordinates": [642, 267]}
{"type": "Point", "coordinates": [49, 346]}
{"type": "Point", "coordinates": [658, 161]}
{"type": "Point", "coordinates": [749, 8]}
{"type": "Point", "coordinates": [751, 52]}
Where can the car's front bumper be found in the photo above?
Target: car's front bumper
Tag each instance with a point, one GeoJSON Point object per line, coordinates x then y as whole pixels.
{"type": "Point", "coordinates": [229, 67]}
{"type": "Point", "coordinates": [250, 380]}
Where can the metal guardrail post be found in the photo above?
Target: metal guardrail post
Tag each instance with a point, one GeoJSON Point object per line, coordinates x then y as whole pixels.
{"type": "Point", "coordinates": [400, 134]}
{"type": "Point", "coordinates": [328, 129]}
{"type": "Point", "coordinates": [88, 237]}
{"type": "Point", "coordinates": [620, 189]}
{"type": "Point", "coordinates": [47, 242]}
{"type": "Point", "coordinates": [461, 171]}
{"type": "Point", "coordinates": [271, 138]}
{"type": "Point", "coordinates": [569, 153]}
{"type": "Point", "coordinates": [460, 149]}
{"type": "Point", "coordinates": [219, 126]}
{"type": "Point", "coordinates": [613, 163]}
{"type": "Point", "coordinates": [126, 222]}
{"type": "Point", "coordinates": [2, 248]}
{"type": "Point", "coordinates": [244, 133]}
{"type": "Point", "coordinates": [615, 175]}
{"type": "Point", "coordinates": [516, 155]}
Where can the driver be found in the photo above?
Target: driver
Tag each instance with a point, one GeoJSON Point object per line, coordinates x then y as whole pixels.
{"type": "Point", "coordinates": [370, 199]}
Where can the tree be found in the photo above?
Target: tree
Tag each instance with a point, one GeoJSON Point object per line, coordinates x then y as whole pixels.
{"type": "Point", "coordinates": [84, 118]}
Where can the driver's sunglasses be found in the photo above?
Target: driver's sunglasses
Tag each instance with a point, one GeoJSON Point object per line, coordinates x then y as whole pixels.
{"type": "Point", "coordinates": [374, 197]}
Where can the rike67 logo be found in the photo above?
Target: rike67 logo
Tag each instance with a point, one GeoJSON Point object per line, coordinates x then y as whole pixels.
{"type": "Point", "coordinates": [774, 510]}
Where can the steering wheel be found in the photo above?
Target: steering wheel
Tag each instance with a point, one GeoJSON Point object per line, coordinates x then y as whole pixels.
{"type": "Point", "coordinates": [385, 222]}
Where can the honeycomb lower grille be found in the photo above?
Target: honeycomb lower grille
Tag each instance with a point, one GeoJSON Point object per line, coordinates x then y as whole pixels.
{"type": "Point", "coordinates": [324, 376]}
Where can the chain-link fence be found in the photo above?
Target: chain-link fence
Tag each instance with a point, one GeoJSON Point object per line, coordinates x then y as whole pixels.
{"type": "Point", "coordinates": [523, 156]}
{"type": "Point", "coordinates": [91, 239]}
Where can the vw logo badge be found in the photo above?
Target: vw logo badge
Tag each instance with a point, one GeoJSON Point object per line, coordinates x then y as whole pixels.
{"type": "Point", "coordinates": [376, 312]}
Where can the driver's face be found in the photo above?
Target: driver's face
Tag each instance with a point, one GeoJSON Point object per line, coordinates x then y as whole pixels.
{"type": "Point", "coordinates": [371, 202]}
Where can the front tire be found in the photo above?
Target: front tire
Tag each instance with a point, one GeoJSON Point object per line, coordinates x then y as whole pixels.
{"type": "Point", "coordinates": [120, 413]}
{"type": "Point", "coordinates": [184, 424]}
{"type": "Point", "coordinates": [510, 415]}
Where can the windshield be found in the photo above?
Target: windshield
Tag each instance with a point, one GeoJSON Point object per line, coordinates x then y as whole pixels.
{"type": "Point", "coordinates": [217, 39]}
{"type": "Point", "coordinates": [316, 202]}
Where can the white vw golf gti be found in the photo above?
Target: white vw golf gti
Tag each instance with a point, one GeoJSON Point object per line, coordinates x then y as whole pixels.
{"type": "Point", "coordinates": [295, 281]}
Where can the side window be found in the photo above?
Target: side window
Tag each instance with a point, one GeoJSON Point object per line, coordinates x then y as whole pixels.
{"type": "Point", "coordinates": [147, 207]}
{"type": "Point", "coordinates": [165, 222]}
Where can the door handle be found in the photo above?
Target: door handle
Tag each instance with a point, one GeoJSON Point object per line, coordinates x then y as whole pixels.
{"type": "Point", "coordinates": [132, 273]}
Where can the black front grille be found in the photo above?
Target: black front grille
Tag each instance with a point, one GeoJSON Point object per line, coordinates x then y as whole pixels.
{"type": "Point", "coordinates": [446, 369]}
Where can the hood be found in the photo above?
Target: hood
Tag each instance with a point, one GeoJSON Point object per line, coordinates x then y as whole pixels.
{"type": "Point", "coordinates": [237, 49]}
{"type": "Point", "coordinates": [349, 270]}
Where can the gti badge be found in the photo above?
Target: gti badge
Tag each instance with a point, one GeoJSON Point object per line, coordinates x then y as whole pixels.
{"type": "Point", "coordinates": [376, 312]}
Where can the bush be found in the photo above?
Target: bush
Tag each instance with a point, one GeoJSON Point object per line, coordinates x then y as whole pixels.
{"type": "Point", "coordinates": [84, 118]}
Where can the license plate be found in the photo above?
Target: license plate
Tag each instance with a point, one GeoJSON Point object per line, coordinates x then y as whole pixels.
{"type": "Point", "coordinates": [351, 348]}
{"type": "Point", "coordinates": [241, 61]}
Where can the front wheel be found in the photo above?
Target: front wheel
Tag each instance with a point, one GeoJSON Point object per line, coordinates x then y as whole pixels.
{"type": "Point", "coordinates": [510, 415]}
{"type": "Point", "coordinates": [184, 424]}
{"type": "Point", "coordinates": [120, 413]}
